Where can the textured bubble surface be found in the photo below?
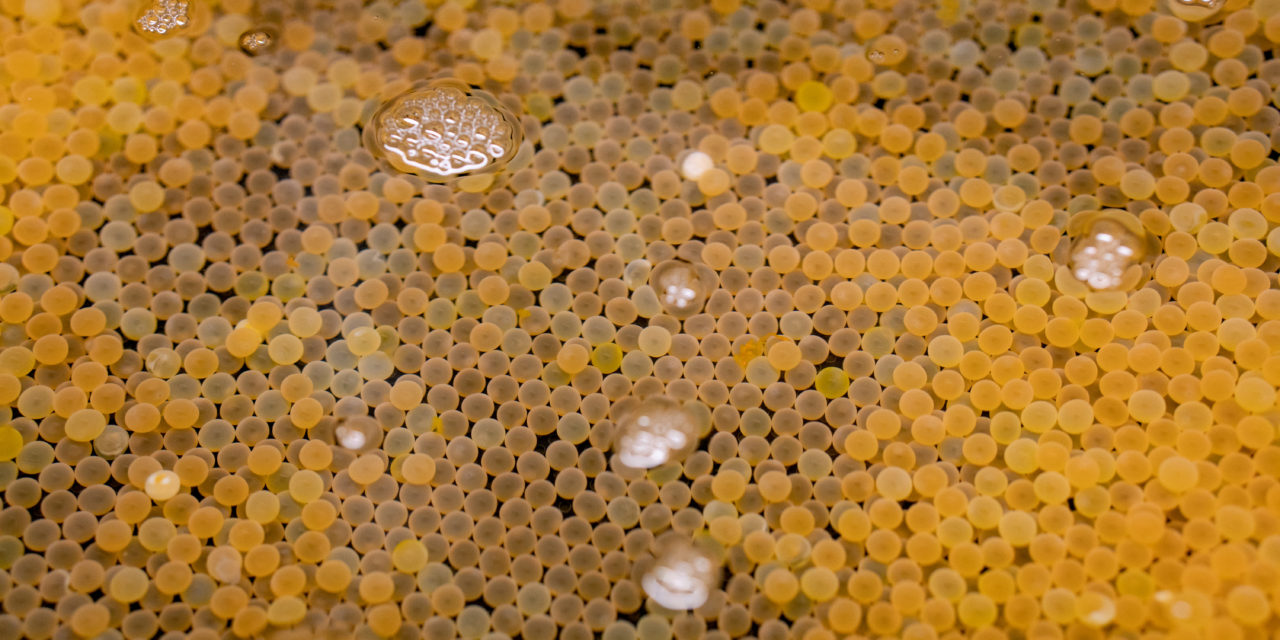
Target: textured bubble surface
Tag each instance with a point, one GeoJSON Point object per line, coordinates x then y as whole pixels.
{"type": "Point", "coordinates": [1108, 245]}
{"type": "Point", "coordinates": [163, 18]}
{"type": "Point", "coordinates": [443, 131]}
{"type": "Point", "coordinates": [681, 287]}
{"type": "Point", "coordinates": [257, 41]}
{"type": "Point", "coordinates": [682, 576]}
{"type": "Point", "coordinates": [654, 431]}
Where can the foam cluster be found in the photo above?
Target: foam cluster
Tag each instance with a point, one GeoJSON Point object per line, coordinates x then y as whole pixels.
{"type": "Point", "coordinates": [164, 18]}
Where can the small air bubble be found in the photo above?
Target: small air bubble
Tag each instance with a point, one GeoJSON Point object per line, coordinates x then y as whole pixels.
{"type": "Point", "coordinates": [256, 42]}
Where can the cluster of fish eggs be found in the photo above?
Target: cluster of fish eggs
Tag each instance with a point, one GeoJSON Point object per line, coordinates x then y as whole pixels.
{"type": "Point", "coordinates": [807, 319]}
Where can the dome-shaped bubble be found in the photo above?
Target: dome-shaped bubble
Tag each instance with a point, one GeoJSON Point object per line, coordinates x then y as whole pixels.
{"type": "Point", "coordinates": [442, 130]}
{"type": "Point", "coordinates": [654, 431]}
{"type": "Point", "coordinates": [1108, 249]}
{"type": "Point", "coordinates": [682, 576]}
{"type": "Point", "coordinates": [682, 287]}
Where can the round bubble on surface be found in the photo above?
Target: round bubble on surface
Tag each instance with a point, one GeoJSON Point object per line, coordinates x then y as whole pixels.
{"type": "Point", "coordinates": [682, 288]}
{"type": "Point", "coordinates": [443, 130]}
{"type": "Point", "coordinates": [256, 42]}
{"type": "Point", "coordinates": [654, 431]}
{"type": "Point", "coordinates": [1108, 249]}
{"type": "Point", "coordinates": [1195, 10]}
{"type": "Point", "coordinates": [682, 576]}
{"type": "Point", "coordinates": [162, 485]}
{"type": "Point", "coordinates": [358, 434]}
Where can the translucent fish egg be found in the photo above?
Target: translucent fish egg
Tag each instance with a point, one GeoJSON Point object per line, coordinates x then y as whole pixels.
{"type": "Point", "coordinates": [163, 18]}
{"type": "Point", "coordinates": [443, 130]}
{"type": "Point", "coordinates": [256, 42]}
{"type": "Point", "coordinates": [1195, 10]}
{"type": "Point", "coordinates": [1095, 609]}
{"type": "Point", "coordinates": [656, 430]}
{"type": "Point", "coordinates": [162, 485]}
{"type": "Point", "coordinates": [682, 576]}
{"type": "Point", "coordinates": [163, 362]}
{"type": "Point", "coordinates": [636, 273]}
{"type": "Point", "coordinates": [1108, 249]}
{"type": "Point", "coordinates": [682, 288]}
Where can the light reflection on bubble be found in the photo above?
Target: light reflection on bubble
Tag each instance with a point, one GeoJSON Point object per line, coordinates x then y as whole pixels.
{"type": "Point", "coordinates": [681, 287]}
{"type": "Point", "coordinates": [1107, 249]}
{"type": "Point", "coordinates": [682, 576]}
{"type": "Point", "coordinates": [443, 130]}
{"type": "Point", "coordinates": [256, 42]}
{"type": "Point", "coordinates": [655, 431]}
{"type": "Point", "coordinates": [162, 485]}
{"type": "Point", "coordinates": [1195, 10]}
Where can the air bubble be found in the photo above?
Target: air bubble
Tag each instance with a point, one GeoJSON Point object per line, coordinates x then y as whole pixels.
{"type": "Point", "coordinates": [443, 130]}
{"type": "Point", "coordinates": [888, 50]}
{"type": "Point", "coordinates": [162, 485]}
{"type": "Point", "coordinates": [656, 430]}
{"type": "Point", "coordinates": [257, 41]}
{"type": "Point", "coordinates": [1195, 10]}
{"type": "Point", "coordinates": [682, 576]}
{"type": "Point", "coordinates": [1108, 249]}
{"type": "Point", "coordinates": [682, 287]}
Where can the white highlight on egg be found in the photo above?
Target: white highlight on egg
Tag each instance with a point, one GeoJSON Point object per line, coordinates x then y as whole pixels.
{"type": "Point", "coordinates": [694, 164]}
{"type": "Point", "coordinates": [162, 485]}
{"type": "Point", "coordinates": [1102, 615]}
{"type": "Point", "coordinates": [351, 439]}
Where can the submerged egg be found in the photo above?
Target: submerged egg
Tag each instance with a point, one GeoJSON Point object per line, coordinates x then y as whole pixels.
{"type": "Point", "coordinates": [682, 288]}
{"type": "Point", "coordinates": [1108, 248]}
{"type": "Point", "coordinates": [682, 576]}
{"type": "Point", "coordinates": [444, 130]}
{"type": "Point", "coordinates": [655, 431]}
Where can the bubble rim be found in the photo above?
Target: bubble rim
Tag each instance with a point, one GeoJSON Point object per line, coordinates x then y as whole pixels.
{"type": "Point", "coordinates": [388, 164]}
